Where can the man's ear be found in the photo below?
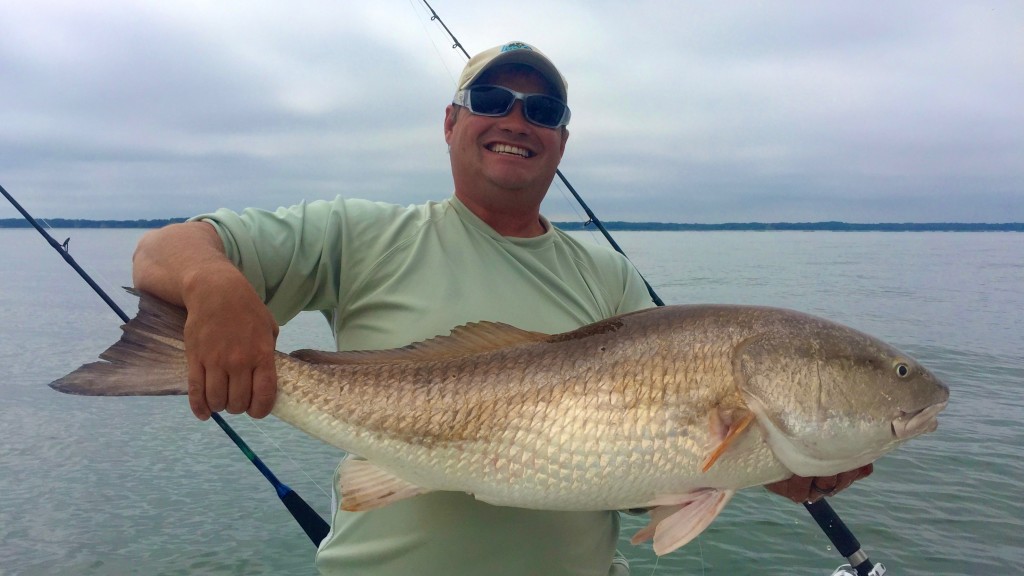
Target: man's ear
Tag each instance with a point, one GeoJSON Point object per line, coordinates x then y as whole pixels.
{"type": "Point", "coordinates": [450, 115]}
{"type": "Point", "coordinates": [565, 136]}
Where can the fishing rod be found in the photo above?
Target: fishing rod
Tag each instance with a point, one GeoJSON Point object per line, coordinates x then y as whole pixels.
{"type": "Point", "coordinates": [822, 512]}
{"type": "Point", "coordinates": [845, 542]}
{"type": "Point", "coordinates": [592, 217]}
{"type": "Point", "coordinates": [316, 528]}
{"type": "Point", "coordinates": [312, 524]}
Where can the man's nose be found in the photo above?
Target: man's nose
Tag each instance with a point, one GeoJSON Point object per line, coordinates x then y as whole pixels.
{"type": "Point", "coordinates": [516, 117]}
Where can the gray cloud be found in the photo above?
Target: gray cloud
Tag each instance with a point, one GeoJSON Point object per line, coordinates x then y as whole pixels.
{"type": "Point", "coordinates": [692, 113]}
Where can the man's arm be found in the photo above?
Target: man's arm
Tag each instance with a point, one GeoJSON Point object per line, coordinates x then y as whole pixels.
{"type": "Point", "coordinates": [229, 333]}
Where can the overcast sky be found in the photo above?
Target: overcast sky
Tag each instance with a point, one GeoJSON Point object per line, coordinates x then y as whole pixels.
{"type": "Point", "coordinates": [682, 111]}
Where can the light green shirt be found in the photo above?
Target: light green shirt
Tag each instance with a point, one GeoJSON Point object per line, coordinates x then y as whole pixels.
{"type": "Point", "coordinates": [386, 276]}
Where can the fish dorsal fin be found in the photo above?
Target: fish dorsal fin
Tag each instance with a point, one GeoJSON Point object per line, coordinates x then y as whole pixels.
{"type": "Point", "coordinates": [465, 340]}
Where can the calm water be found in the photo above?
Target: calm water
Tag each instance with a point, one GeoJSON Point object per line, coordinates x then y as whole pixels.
{"type": "Point", "coordinates": [137, 486]}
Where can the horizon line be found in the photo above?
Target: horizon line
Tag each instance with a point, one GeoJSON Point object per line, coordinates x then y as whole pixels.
{"type": "Point", "coordinates": [623, 225]}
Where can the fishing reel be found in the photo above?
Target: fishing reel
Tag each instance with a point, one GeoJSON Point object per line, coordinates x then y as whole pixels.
{"type": "Point", "coordinates": [847, 570]}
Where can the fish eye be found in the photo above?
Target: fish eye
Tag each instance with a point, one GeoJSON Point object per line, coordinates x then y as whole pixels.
{"type": "Point", "coordinates": [902, 370]}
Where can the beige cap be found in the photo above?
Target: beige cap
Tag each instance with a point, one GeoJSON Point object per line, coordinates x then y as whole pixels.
{"type": "Point", "coordinates": [514, 53]}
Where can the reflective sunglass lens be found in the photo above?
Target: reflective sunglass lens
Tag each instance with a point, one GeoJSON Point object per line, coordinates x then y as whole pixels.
{"type": "Point", "coordinates": [497, 101]}
{"type": "Point", "coordinates": [544, 110]}
{"type": "Point", "coordinates": [490, 100]}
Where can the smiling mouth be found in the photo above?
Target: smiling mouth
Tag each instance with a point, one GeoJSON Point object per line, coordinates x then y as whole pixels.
{"type": "Point", "coordinates": [510, 150]}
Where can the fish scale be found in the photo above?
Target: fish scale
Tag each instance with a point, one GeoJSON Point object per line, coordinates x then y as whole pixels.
{"type": "Point", "coordinates": [673, 408]}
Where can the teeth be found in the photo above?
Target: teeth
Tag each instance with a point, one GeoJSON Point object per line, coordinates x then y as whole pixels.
{"type": "Point", "coordinates": [508, 149]}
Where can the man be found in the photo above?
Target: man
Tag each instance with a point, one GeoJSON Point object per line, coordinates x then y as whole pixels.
{"type": "Point", "coordinates": [386, 276]}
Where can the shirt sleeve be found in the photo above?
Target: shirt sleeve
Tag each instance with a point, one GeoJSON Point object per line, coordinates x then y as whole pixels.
{"type": "Point", "coordinates": [311, 255]}
{"type": "Point", "coordinates": [635, 295]}
{"type": "Point", "coordinates": [291, 256]}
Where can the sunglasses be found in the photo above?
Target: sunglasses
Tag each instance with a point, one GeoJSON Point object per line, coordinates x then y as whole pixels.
{"type": "Point", "coordinates": [539, 109]}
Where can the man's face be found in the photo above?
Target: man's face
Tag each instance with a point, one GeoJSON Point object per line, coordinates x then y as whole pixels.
{"type": "Point", "coordinates": [504, 155]}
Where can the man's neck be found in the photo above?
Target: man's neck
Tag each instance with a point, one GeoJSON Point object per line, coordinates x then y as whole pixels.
{"type": "Point", "coordinates": [512, 221]}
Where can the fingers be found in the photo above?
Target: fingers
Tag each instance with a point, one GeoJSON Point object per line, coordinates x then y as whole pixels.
{"type": "Point", "coordinates": [846, 479]}
{"type": "Point", "coordinates": [804, 489]}
{"type": "Point", "coordinates": [866, 471]}
{"type": "Point", "coordinates": [264, 389]}
{"type": "Point", "coordinates": [214, 391]}
{"type": "Point", "coordinates": [823, 486]}
{"type": "Point", "coordinates": [197, 389]}
{"type": "Point", "coordinates": [207, 390]}
{"type": "Point", "coordinates": [250, 391]}
{"type": "Point", "coordinates": [239, 391]}
{"type": "Point", "coordinates": [832, 485]}
{"type": "Point", "coordinates": [796, 488]}
{"type": "Point", "coordinates": [229, 346]}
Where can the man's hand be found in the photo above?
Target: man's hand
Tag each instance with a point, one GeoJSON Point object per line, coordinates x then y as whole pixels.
{"type": "Point", "coordinates": [230, 338]}
{"type": "Point", "coordinates": [801, 489]}
{"type": "Point", "coordinates": [229, 333]}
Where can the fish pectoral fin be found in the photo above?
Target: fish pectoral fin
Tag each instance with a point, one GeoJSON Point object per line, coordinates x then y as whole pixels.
{"type": "Point", "coordinates": [365, 486]}
{"type": "Point", "coordinates": [674, 525]}
{"type": "Point", "coordinates": [727, 433]}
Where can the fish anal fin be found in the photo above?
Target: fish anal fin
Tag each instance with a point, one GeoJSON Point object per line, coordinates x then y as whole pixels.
{"type": "Point", "coordinates": [365, 486]}
{"type": "Point", "coordinates": [726, 432]}
{"type": "Point", "coordinates": [674, 525]}
{"type": "Point", "coordinates": [465, 340]}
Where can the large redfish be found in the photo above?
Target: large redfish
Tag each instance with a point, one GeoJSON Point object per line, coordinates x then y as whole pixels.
{"type": "Point", "coordinates": [671, 408]}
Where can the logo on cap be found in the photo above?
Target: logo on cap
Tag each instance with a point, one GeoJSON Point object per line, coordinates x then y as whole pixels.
{"type": "Point", "coordinates": [516, 46]}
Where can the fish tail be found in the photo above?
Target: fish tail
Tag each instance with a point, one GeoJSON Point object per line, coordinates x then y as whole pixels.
{"type": "Point", "coordinates": [148, 360]}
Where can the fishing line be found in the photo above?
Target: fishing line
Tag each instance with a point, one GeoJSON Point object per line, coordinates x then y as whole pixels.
{"type": "Point", "coordinates": [66, 246]}
{"type": "Point", "coordinates": [657, 560]}
{"type": "Point", "coordinates": [434, 17]}
{"type": "Point", "coordinates": [826, 518]}
{"type": "Point", "coordinates": [256, 423]}
{"type": "Point", "coordinates": [312, 524]}
{"type": "Point", "coordinates": [558, 184]}
{"type": "Point", "coordinates": [591, 216]}
{"type": "Point", "coordinates": [430, 38]}
{"type": "Point", "coordinates": [579, 216]}
{"type": "Point", "coordinates": [703, 564]}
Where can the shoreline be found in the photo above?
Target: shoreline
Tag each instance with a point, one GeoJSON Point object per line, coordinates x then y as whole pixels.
{"type": "Point", "coordinates": [829, 226]}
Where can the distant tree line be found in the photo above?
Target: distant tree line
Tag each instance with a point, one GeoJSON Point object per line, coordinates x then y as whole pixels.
{"type": "Point", "coordinates": [619, 225]}
{"type": "Point", "coordinates": [80, 223]}
{"type": "Point", "coordinates": [805, 226]}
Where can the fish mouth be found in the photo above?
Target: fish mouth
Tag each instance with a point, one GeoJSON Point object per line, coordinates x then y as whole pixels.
{"type": "Point", "coordinates": [910, 424]}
